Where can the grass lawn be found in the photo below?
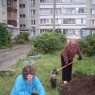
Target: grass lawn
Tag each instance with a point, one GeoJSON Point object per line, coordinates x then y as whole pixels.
{"type": "Point", "coordinates": [44, 65]}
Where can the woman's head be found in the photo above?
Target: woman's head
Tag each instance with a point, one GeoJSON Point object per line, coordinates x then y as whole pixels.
{"type": "Point", "coordinates": [73, 39]}
{"type": "Point", "coordinates": [28, 72]}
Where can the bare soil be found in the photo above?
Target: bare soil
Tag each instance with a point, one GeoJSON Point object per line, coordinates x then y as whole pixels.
{"type": "Point", "coordinates": [81, 85]}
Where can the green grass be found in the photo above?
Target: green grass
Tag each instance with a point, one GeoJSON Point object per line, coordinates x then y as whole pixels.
{"type": "Point", "coordinates": [44, 65]}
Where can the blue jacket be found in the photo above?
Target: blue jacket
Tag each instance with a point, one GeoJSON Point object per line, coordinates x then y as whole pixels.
{"type": "Point", "coordinates": [21, 87]}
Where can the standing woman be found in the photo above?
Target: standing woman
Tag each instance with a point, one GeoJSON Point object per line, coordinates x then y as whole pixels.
{"type": "Point", "coordinates": [26, 82]}
{"type": "Point", "coordinates": [71, 48]}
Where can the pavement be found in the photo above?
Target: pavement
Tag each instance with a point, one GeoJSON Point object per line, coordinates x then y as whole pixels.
{"type": "Point", "coordinates": [9, 56]}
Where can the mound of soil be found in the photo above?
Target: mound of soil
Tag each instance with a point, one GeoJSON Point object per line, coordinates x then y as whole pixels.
{"type": "Point", "coordinates": [81, 85]}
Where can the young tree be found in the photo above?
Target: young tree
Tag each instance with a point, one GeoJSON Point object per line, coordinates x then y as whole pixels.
{"type": "Point", "coordinates": [5, 36]}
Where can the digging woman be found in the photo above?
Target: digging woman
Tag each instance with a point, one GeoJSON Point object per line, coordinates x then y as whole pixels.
{"type": "Point", "coordinates": [71, 48]}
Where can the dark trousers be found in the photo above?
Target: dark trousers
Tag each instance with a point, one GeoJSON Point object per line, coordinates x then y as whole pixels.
{"type": "Point", "coordinates": [34, 94]}
{"type": "Point", "coordinates": [66, 72]}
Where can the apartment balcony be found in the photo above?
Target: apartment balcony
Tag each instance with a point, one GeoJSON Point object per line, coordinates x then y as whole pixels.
{"type": "Point", "coordinates": [11, 9]}
{"type": "Point", "coordinates": [11, 6]}
{"type": "Point", "coordinates": [12, 22]}
{"type": "Point", "coordinates": [12, 19]}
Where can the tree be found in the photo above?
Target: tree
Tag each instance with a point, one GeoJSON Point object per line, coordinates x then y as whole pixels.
{"type": "Point", "coordinates": [5, 36]}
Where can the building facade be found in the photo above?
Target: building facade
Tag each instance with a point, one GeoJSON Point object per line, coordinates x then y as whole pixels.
{"type": "Point", "coordinates": [67, 16]}
{"type": "Point", "coordinates": [13, 17]}
{"type": "Point", "coordinates": [3, 11]}
{"type": "Point", "coordinates": [9, 15]}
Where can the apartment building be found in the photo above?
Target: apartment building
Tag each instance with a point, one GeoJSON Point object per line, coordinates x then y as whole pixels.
{"type": "Point", "coordinates": [13, 16]}
{"type": "Point", "coordinates": [67, 16]}
{"type": "Point", "coordinates": [29, 16]}
{"type": "Point", "coordinates": [3, 11]}
{"type": "Point", "coordinates": [90, 18]}
{"type": "Point", "coordinates": [9, 15]}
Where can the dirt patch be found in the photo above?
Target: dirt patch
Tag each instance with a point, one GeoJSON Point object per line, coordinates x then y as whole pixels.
{"type": "Point", "coordinates": [81, 85]}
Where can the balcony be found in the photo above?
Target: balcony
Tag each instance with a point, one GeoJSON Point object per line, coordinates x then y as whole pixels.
{"type": "Point", "coordinates": [12, 16]}
{"type": "Point", "coordinates": [12, 19]}
{"type": "Point", "coordinates": [11, 6]}
{"type": "Point", "coordinates": [12, 22]}
{"type": "Point", "coordinates": [10, 9]}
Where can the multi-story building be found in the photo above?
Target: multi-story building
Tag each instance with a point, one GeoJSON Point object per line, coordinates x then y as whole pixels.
{"type": "Point", "coordinates": [66, 16]}
{"type": "Point", "coordinates": [13, 16]}
{"type": "Point", "coordinates": [29, 16]}
{"type": "Point", "coordinates": [3, 11]}
{"type": "Point", "coordinates": [9, 15]}
{"type": "Point", "coordinates": [90, 18]}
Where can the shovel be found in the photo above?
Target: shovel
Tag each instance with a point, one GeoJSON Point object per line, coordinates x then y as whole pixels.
{"type": "Point", "coordinates": [55, 72]}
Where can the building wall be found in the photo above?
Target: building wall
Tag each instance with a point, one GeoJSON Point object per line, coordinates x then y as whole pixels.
{"type": "Point", "coordinates": [13, 17]}
{"type": "Point", "coordinates": [90, 14]}
{"type": "Point", "coordinates": [70, 16]}
{"type": "Point", "coordinates": [3, 11]}
{"type": "Point", "coordinates": [24, 19]}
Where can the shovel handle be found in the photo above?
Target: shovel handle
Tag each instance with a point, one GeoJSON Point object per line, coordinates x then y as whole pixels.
{"type": "Point", "coordinates": [65, 66]}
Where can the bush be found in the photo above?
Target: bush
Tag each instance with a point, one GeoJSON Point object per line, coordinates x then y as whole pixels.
{"type": "Point", "coordinates": [48, 42]}
{"type": "Point", "coordinates": [32, 52]}
{"type": "Point", "coordinates": [87, 45]}
{"type": "Point", "coordinates": [5, 37]}
{"type": "Point", "coordinates": [22, 38]}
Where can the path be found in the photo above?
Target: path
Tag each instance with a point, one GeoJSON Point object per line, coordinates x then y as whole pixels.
{"type": "Point", "coordinates": [9, 56]}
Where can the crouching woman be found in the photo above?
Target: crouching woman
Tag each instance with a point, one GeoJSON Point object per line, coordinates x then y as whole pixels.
{"type": "Point", "coordinates": [26, 82]}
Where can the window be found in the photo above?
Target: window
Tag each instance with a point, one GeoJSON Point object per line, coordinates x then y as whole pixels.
{"type": "Point", "coordinates": [33, 32]}
{"type": "Point", "coordinates": [45, 21]}
{"type": "Point", "coordinates": [58, 1]}
{"type": "Point", "coordinates": [74, 21]}
{"type": "Point", "coordinates": [32, 2]}
{"type": "Point", "coordinates": [22, 25]}
{"type": "Point", "coordinates": [69, 10]}
{"type": "Point", "coordinates": [81, 10]}
{"type": "Point", "coordinates": [80, 21]}
{"type": "Point", "coordinates": [58, 11]}
{"type": "Point", "coordinates": [46, 11]}
{"type": "Point", "coordinates": [80, 1]}
{"type": "Point", "coordinates": [4, 16]}
{"type": "Point", "coordinates": [32, 12]}
{"type": "Point", "coordinates": [70, 32]}
{"type": "Point", "coordinates": [67, 1]}
{"type": "Point", "coordinates": [74, 10]}
{"type": "Point", "coordinates": [4, 2]}
{"type": "Point", "coordinates": [22, 15]}
{"type": "Point", "coordinates": [42, 30]}
{"type": "Point", "coordinates": [46, 1]}
{"type": "Point", "coordinates": [32, 22]}
{"type": "Point", "coordinates": [22, 5]}
{"type": "Point", "coordinates": [93, 11]}
{"type": "Point", "coordinates": [69, 21]}
{"type": "Point", "coordinates": [58, 21]}
{"type": "Point", "coordinates": [74, 1]}
{"type": "Point", "coordinates": [93, 1]}
{"type": "Point", "coordinates": [92, 22]}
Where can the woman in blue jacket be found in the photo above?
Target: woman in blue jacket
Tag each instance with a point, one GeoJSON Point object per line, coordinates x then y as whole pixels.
{"type": "Point", "coordinates": [26, 82]}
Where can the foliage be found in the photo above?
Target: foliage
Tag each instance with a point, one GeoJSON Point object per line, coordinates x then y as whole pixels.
{"type": "Point", "coordinates": [48, 42]}
{"type": "Point", "coordinates": [5, 36]}
{"type": "Point", "coordinates": [22, 38]}
{"type": "Point", "coordinates": [87, 45]}
{"type": "Point", "coordinates": [32, 52]}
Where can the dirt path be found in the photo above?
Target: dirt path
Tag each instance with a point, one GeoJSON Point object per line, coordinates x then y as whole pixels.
{"type": "Point", "coordinates": [11, 55]}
